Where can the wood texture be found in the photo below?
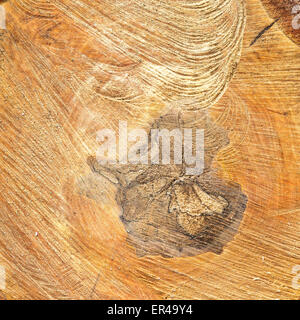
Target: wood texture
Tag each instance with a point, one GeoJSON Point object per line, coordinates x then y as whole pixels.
{"type": "Point", "coordinates": [65, 73]}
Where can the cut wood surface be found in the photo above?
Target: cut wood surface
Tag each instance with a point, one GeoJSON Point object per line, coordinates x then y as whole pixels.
{"type": "Point", "coordinates": [71, 229]}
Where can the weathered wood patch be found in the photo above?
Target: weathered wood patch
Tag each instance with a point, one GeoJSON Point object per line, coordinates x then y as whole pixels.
{"type": "Point", "coordinates": [288, 14]}
{"type": "Point", "coordinates": [168, 213]}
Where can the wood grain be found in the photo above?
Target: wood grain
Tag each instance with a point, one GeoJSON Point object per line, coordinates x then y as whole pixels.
{"type": "Point", "coordinates": [61, 236]}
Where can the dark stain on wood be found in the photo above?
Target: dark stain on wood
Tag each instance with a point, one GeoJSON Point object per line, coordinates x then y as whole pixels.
{"type": "Point", "coordinates": [285, 10]}
{"type": "Point", "coordinates": [168, 213]}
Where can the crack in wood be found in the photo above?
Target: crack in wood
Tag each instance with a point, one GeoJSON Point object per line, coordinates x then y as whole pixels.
{"type": "Point", "coordinates": [262, 32]}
